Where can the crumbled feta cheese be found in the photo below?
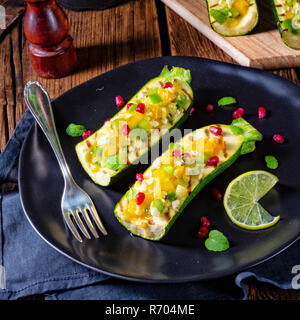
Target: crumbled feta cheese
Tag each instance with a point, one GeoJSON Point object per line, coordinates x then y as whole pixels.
{"type": "Point", "coordinates": [156, 164]}
{"type": "Point", "coordinates": [143, 186]}
{"type": "Point", "coordinates": [103, 140]}
{"type": "Point", "coordinates": [179, 162]}
{"type": "Point", "coordinates": [149, 181]}
{"type": "Point", "coordinates": [103, 178]}
{"type": "Point", "coordinates": [154, 123]}
{"type": "Point", "coordinates": [175, 204]}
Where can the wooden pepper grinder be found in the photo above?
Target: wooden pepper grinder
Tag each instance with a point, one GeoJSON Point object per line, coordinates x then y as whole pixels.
{"type": "Point", "coordinates": [46, 27]}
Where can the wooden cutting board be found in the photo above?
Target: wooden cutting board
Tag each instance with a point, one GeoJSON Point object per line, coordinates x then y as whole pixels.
{"type": "Point", "coordinates": [262, 49]}
{"type": "Point", "coordinates": [11, 10]}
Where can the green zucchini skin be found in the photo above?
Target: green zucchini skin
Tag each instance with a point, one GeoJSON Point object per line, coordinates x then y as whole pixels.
{"type": "Point", "coordinates": [284, 34]}
{"type": "Point", "coordinates": [250, 136]}
{"type": "Point", "coordinates": [177, 72]}
{"type": "Point", "coordinates": [233, 33]}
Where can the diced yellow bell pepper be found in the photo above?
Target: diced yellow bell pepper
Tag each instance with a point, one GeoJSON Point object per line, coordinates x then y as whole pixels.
{"type": "Point", "coordinates": [135, 119]}
{"type": "Point", "coordinates": [242, 6]}
{"type": "Point", "coordinates": [109, 150]}
{"type": "Point", "coordinates": [179, 171]}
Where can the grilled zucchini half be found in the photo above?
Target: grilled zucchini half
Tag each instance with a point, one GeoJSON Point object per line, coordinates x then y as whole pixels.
{"type": "Point", "coordinates": [232, 17]}
{"type": "Point", "coordinates": [151, 206]}
{"type": "Point", "coordinates": [287, 15]}
{"type": "Point", "coordinates": [161, 105]}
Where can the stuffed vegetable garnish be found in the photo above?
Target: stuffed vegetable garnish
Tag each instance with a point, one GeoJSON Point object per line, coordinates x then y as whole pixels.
{"type": "Point", "coordinates": [157, 198]}
{"type": "Point", "coordinates": [161, 105]}
{"type": "Point", "coordinates": [287, 15]}
{"type": "Point", "coordinates": [232, 17]}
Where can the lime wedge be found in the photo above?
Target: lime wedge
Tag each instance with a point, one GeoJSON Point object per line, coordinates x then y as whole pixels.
{"type": "Point", "coordinates": [242, 196]}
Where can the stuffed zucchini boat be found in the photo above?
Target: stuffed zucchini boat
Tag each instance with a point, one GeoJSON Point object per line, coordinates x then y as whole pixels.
{"type": "Point", "coordinates": [287, 15]}
{"type": "Point", "coordinates": [161, 105]}
{"type": "Point", "coordinates": [232, 17]}
{"type": "Point", "coordinates": [152, 204]}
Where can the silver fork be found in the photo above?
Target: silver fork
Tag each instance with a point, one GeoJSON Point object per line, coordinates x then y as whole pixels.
{"type": "Point", "coordinates": [76, 205]}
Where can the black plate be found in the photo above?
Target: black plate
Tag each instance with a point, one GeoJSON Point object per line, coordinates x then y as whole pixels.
{"type": "Point", "coordinates": [180, 256]}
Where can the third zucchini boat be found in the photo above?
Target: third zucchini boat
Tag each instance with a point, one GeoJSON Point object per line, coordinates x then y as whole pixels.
{"type": "Point", "coordinates": [154, 202]}
{"type": "Point", "coordinates": [232, 17]}
{"type": "Point", "coordinates": [161, 105]}
{"type": "Point", "coordinates": [287, 15]}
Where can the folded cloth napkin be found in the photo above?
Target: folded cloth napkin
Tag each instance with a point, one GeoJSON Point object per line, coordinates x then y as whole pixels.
{"type": "Point", "coordinates": [28, 265]}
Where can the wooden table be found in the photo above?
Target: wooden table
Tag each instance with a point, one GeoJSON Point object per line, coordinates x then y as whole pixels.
{"type": "Point", "coordinates": [136, 30]}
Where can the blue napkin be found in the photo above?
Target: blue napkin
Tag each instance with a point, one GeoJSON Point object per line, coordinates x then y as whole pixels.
{"type": "Point", "coordinates": [28, 265]}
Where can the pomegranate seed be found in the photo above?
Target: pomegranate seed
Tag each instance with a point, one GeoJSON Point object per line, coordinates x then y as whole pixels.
{"type": "Point", "coordinates": [205, 222]}
{"type": "Point", "coordinates": [176, 153]}
{"type": "Point", "coordinates": [213, 161]}
{"type": "Point", "coordinates": [278, 138]}
{"type": "Point", "coordinates": [119, 101]}
{"type": "Point", "coordinates": [140, 108]}
{"type": "Point", "coordinates": [87, 133]}
{"type": "Point", "coordinates": [202, 232]}
{"type": "Point", "coordinates": [167, 85]}
{"type": "Point", "coordinates": [192, 111]}
{"type": "Point", "coordinates": [107, 120]}
{"type": "Point", "coordinates": [129, 105]}
{"type": "Point", "coordinates": [125, 130]}
{"type": "Point", "coordinates": [262, 112]}
{"type": "Point", "coordinates": [139, 177]}
{"type": "Point", "coordinates": [238, 113]}
{"type": "Point", "coordinates": [209, 108]}
{"type": "Point", "coordinates": [217, 131]}
{"type": "Point", "coordinates": [140, 197]}
{"type": "Point", "coordinates": [216, 193]}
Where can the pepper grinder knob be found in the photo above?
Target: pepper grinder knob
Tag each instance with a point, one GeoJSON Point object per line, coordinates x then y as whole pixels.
{"type": "Point", "coordinates": [51, 48]}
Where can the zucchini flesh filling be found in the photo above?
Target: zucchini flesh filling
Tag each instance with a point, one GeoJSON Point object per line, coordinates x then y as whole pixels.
{"type": "Point", "coordinates": [178, 175]}
{"type": "Point", "coordinates": [155, 109]}
{"type": "Point", "coordinates": [288, 16]}
{"type": "Point", "coordinates": [232, 17]}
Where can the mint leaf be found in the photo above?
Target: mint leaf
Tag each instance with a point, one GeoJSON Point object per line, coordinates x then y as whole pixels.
{"type": "Point", "coordinates": [113, 163]}
{"type": "Point", "coordinates": [271, 162]}
{"type": "Point", "coordinates": [178, 72]}
{"type": "Point", "coordinates": [131, 194]}
{"type": "Point", "coordinates": [248, 147]}
{"type": "Point", "coordinates": [219, 15]}
{"type": "Point", "coordinates": [236, 130]}
{"type": "Point", "coordinates": [227, 101]}
{"type": "Point", "coordinates": [216, 241]}
{"type": "Point", "coordinates": [75, 130]}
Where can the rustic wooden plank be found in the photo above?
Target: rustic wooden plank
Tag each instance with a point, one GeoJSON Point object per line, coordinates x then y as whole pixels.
{"type": "Point", "coordinates": [16, 35]}
{"type": "Point", "coordinates": [9, 84]}
{"type": "Point", "coordinates": [193, 43]}
{"type": "Point", "coordinates": [13, 10]}
{"type": "Point", "coordinates": [3, 119]}
{"type": "Point", "coordinates": [105, 40]}
{"type": "Point", "coordinates": [262, 48]}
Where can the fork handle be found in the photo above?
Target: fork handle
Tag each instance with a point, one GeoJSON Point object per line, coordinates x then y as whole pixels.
{"type": "Point", "coordinates": [39, 104]}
